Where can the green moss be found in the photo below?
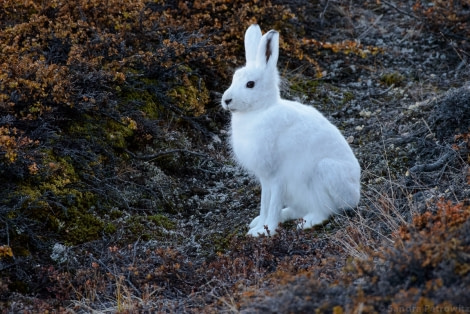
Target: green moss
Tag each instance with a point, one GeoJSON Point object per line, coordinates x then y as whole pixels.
{"type": "Point", "coordinates": [136, 226]}
{"type": "Point", "coordinates": [151, 109]}
{"type": "Point", "coordinates": [393, 78]}
{"type": "Point", "coordinates": [109, 229]}
{"type": "Point", "coordinates": [162, 221]}
{"type": "Point", "coordinates": [187, 91]}
{"type": "Point", "coordinates": [147, 102]}
{"type": "Point", "coordinates": [115, 133]}
{"type": "Point", "coordinates": [58, 175]}
{"type": "Point", "coordinates": [115, 213]}
{"type": "Point", "coordinates": [82, 227]}
{"type": "Point", "coordinates": [304, 87]}
{"type": "Point", "coordinates": [118, 133]}
{"type": "Point", "coordinates": [148, 227]}
{"type": "Point", "coordinates": [223, 241]}
{"type": "Point", "coordinates": [86, 127]}
{"type": "Point", "coordinates": [190, 92]}
{"type": "Point", "coordinates": [347, 97]}
{"type": "Point", "coordinates": [58, 204]}
{"type": "Point", "coordinates": [142, 97]}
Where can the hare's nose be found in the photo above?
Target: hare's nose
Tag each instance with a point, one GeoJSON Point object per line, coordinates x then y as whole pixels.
{"type": "Point", "coordinates": [228, 101]}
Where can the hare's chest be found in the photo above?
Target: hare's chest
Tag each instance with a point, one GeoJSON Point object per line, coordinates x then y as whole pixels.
{"type": "Point", "coordinates": [254, 148]}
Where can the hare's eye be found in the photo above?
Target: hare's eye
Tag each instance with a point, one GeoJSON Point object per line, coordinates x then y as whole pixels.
{"type": "Point", "coordinates": [250, 84]}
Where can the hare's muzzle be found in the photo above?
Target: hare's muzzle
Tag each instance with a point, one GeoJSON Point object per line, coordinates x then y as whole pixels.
{"type": "Point", "coordinates": [225, 103]}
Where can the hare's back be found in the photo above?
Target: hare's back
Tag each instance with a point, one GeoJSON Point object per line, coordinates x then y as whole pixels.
{"type": "Point", "coordinates": [309, 133]}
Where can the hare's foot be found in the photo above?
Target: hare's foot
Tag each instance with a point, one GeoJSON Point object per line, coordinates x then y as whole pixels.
{"type": "Point", "coordinates": [255, 222]}
{"type": "Point", "coordinates": [311, 220]}
{"type": "Point", "coordinates": [288, 213]}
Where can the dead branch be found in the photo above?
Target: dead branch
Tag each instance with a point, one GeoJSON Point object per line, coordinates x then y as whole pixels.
{"type": "Point", "coordinates": [400, 10]}
{"type": "Point", "coordinates": [433, 166]}
{"type": "Point", "coordinates": [164, 153]}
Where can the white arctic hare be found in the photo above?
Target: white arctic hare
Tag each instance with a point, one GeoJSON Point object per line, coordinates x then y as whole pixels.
{"type": "Point", "coordinates": [305, 166]}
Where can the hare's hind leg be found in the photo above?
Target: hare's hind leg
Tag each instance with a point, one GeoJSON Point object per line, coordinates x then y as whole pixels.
{"type": "Point", "coordinates": [336, 187]}
{"type": "Point", "coordinates": [340, 183]}
{"type": "Point", "coordinates": [289, 213]}
{"type": "Point", "coordinates": [313, 219]}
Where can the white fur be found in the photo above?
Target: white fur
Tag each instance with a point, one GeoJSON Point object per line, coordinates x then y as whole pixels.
{"type": "Point", "coordinates": [305, 166]}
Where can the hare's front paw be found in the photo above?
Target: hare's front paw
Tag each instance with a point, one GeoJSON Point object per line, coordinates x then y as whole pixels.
{"type": "Point", "coordinates": [257, 231]}
{"type": "Point", "coordinates": [255, 222]}
{"type": "Point", "coordinates": [262, 230]}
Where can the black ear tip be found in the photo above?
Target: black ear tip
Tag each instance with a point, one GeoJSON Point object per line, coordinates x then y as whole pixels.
{"type": "Point", "coordinates": [269, 38]}
{"type": "Point", "coordinates": [272, 33]}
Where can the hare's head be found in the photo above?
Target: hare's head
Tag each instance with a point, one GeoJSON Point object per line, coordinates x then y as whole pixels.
{"type": "Point", "coordinates": [256, 85]}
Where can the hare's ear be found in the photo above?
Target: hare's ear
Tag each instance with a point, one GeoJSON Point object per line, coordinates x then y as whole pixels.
{"type": "Point", "coordinates": [268, 50]}
{"type": "Point", "coordinates": [252, 39]}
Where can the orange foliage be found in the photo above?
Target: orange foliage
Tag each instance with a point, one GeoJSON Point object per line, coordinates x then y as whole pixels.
{"type": "Point", "coordinates": [346, 47]}
{"type": "Point", "coordinates": [12, 143]}
{"type": "Point", "coordinates": [5, 251]}
{"type": "Point", "coordinates": [448, 217]}
{"type": "Point", "coordinates": [60, 60]}
{"type": "Point", "coordinates": [431, 238]}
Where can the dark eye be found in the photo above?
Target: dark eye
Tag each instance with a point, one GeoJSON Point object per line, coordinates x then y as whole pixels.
{"type": "Point", "coordinates": [250, 84]}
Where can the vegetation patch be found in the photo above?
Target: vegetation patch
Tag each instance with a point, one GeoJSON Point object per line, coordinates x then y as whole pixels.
{"type": "Point", "coordinates": [119, 193]}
